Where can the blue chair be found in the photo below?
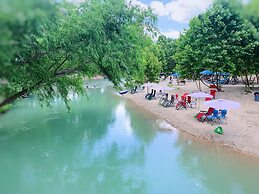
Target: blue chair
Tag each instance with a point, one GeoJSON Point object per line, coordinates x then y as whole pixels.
{"type": "Point", "coordinates": [214, 116]}
{"type": "Point", "coordinates": [222, 115]}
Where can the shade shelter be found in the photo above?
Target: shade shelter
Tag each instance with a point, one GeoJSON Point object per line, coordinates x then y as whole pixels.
{"type": "Point", "coordinates": [199, 95]}
{"type": "Point", "coordinates": [222, 104]}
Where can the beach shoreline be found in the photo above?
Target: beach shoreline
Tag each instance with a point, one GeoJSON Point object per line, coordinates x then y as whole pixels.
{"type": "Point", "coordinates": [241, 132]}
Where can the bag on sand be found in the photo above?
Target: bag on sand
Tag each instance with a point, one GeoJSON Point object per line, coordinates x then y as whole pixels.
{"type": "Point", "coordinates": [218, 130]}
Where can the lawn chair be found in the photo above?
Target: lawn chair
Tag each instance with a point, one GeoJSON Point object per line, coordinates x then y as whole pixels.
{"type": "Point", "coordinates": [152, 96]}
{"type": "Point", "coordinates": [213, 93]}
{"type": "Point", "coordinates": [164, 99]}
{"type": "Point", "coordinates": [181, 105]}
{"type": "Point", "coordinates": [222, 115]}
{"type": "Point", "coordinates": [170, 102]}
{"type": "Point", "coordinates": [213, 117]}
{"type": "Point", "coordinates": [208, 99]}
{"type": "Point", "coordinates": [149, 94]}
{"type": "Point", "coordinates": [202, 115]}
{"type": "Point", "coordinates": [176, 98]}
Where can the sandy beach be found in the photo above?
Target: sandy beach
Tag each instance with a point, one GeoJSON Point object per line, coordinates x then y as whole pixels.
{"type": "Point", "coordinates": [241, 131]}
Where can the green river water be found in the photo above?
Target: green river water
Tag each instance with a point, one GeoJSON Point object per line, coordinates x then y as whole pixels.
{"type": "Point", "coordinates": [106, 145]}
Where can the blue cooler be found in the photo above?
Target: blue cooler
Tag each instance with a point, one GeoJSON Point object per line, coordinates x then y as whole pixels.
{"type": "Point", "coordinates": [256, 96]}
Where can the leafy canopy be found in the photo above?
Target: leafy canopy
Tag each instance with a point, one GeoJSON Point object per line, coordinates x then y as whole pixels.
{"type": "Point", "coordinates": [52, 47]}
{"type": "Point", "coordinates": [220, 40]}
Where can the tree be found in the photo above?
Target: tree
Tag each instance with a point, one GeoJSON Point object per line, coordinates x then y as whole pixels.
{"type": "Point", "coordinates": [251, 13]}
{"type": "Point", "coordinates": [151, 63]}
{"type": "Point", "coordinates": [167, 50]}
{"type": "Point", "coordinates": [218, 40]}
{"type": "Point", "coordinates": [87, 39]}
{"type": "Point", "coordinates": [20, 23]}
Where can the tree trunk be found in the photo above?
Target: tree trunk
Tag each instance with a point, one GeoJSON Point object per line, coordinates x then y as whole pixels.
{"type": "Point", "coordinates": [27, 90]}
{"type": "Point", "coordinates": [246, 81]}
{"type": "Point", "coordinates": [13, 97]}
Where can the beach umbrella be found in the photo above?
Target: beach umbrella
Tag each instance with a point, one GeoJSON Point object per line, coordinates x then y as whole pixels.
{"type": "Point", "coordinates": [165, 88]}
{"type": "Point", "coordinates": [199, 95]}
{"type": "Point", "coordinates": [149, 85]}
{"type": "Point", "coordinates": [222, 104]}
{"type": "Point", "coordinates": [175, 74]}
{"type": "Point", "coordinates": [206, 72]}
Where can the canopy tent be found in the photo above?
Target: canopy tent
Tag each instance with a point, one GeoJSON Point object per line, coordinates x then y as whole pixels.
{"type": "Point", "coordinates": [206, 72]}
{"type": "Point", "coordinates": [222, 104]}
{"type": "Point", "coordinates": [175, 74]}
{"type": "Point", "coordinates": [163, 88]}
{"type": "Point", "coordinates": [199, 95]}
{"type": "Point", "coordinates": [149, 84]}
{"type": "Point", "coordinates": [221, 73]}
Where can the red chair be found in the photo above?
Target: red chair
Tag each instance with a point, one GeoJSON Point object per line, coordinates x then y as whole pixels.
{"type": "Point", "coordinates": [213, 86]}
{"type": "Point", "coordinates": [183, 97]}
{"type": "Point", "coordinates": [213, 93]}
{"type": "Point", "coordinates": [189, 99]}
{"type": "Point", "coordinates": [202, 115]}
{"type": "Point", "coordinates": [181, 105]}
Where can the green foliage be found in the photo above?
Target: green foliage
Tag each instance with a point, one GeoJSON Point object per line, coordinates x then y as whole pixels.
{"type": "Point", "coordinates": [5, 108]}
{"type": "Point", "coordinates": [167, 50]}
{"type": "Point", "coordinates": [64, 43]}
{"type": "Point", "coordinates": [220, 40]}
{"type": "Point", "coordinates": [152, 65]}
{"type": "Point", "coordinates": [20, 23]}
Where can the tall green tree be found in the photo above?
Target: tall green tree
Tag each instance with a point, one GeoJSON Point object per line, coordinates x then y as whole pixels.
{"type": "Point", "coordinates": [167, 50]}
{"type": "Point", "coordinates": [20, 23]}
{"type": "Point", "coordinates": [87, 39]}
{"type": "Point", "coordinates": [151, 63]}
{"type": "Point", "coordinates": [219, 40]}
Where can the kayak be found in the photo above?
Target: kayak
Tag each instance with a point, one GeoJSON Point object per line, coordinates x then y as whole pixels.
{"type": "Point", "coordinates": [123, 92]}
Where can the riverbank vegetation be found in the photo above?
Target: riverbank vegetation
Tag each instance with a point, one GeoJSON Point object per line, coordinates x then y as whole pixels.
{"type": "Point", "coordinates": [223, 39]}
{"type": "Point", "coordinates": [47, 46]}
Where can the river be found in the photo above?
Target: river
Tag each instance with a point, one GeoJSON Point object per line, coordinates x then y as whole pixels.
{"type": "Point", "coordinates": [106, 145]}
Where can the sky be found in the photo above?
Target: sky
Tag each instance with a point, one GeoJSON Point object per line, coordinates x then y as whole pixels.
{"type": "Point", "coordinates": [174, 15]}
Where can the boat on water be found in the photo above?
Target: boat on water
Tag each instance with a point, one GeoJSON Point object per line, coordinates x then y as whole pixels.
{"type": "Point", "coordinates": [123, 92]}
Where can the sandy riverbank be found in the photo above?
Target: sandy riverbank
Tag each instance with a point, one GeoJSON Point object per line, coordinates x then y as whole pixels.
{"type": "Point", "coordinates": [241, 132]}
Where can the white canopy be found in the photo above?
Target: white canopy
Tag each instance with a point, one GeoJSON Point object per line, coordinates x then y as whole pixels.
{"type": "Point", "coordinates": [149, 84]}
{"type": "Point", "coordinates": [165, 88]}
{"type": "Point", "coordinates": [200, 95]}
{"type": "Point", "coordinates": [222, 104]}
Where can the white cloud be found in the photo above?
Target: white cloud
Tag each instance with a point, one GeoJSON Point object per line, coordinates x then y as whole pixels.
{"type": "Point", "coordinates": [172, 34]}
{"type": "Point", "coordinates": [182, 11]}
{"type": "Point", "coordinates": [138, 3]}
{"type": "Point", "coordinates": [159, 8]}
{"type": "Point", "coordinates": [178, 10]}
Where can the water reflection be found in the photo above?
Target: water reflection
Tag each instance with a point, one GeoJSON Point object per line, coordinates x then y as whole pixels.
{"type": "Point", "coordinates": [216, 169]}
{"type": "Point", "coordinates": [105, 145]}
{"type": "Point", "coordinates": [87, 150]}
